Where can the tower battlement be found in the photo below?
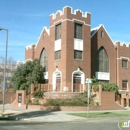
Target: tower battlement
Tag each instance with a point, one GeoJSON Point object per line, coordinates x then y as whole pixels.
{"type": "Point", "coordinates": [119, 44]}
{"type": "Point", "coordinates": [31, 47]}
{"type": "Point", "coordinates": [68, 14]}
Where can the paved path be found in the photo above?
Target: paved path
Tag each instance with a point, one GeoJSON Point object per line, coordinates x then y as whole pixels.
{"type": "Point", "coordinates": [43, 116]}
{"type": "Point", "coordinates": [38, 115]}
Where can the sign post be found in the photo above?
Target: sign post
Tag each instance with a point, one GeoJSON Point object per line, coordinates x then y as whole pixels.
{"type": "Point", "coordinates": [88, 81]}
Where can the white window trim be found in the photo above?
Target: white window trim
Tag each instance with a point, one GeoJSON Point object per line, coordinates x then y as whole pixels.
{"type": "Point", "coordinates": [54, 79]}
{"type": "Point", "coordinates": [78, 71]}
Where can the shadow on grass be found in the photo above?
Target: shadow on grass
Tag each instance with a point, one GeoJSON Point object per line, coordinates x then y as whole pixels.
{"type": "Point", "coordinates": [106, 112]}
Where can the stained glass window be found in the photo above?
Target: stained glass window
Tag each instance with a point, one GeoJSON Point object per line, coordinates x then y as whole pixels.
{"type": "Point", "coordinates": [44, 60]}
{"type": "Point", "coordinates": [102, 61]}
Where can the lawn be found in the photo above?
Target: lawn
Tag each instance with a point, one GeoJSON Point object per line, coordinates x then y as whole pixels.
{"type": "Point", "coordinates": [103, 114]}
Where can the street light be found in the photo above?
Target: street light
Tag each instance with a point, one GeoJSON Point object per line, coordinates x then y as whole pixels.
{"type": "Point", "coordinates": [5, 66]}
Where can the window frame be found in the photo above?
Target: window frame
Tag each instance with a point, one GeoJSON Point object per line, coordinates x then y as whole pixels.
{"type": "Point", "coordinates": [77, 32]}
{"type": "Point", "coordinates": [102, 33]}
{"type": "Point", "coordinates": [44, 59]}
{"type": "Point", "coordinates": [57, 55]}
{"type": "Point", "coordinates": [57, 32]}
{"type": "Point", "coordinates": [126, 82]}
{"type": "Point", "coordinates": [78, 56]}
{"type": "Point", "coordinates": [126, 64]}
{"type": "Point", "coordinates": [102, 60]}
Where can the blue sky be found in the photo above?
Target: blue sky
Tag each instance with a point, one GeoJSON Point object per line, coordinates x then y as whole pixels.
{"type": "Point", "coordinates": [25, 19]}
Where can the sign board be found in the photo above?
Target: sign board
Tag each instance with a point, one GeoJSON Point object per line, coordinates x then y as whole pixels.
{"type": "Point", "coordinates": [88, 80]}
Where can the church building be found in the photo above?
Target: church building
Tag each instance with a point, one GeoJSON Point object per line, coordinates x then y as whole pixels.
{"type": "Point", "coordinates": [71, 51]}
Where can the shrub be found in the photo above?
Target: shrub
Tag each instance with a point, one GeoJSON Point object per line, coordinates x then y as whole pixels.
{"type": "Point", "coordinates": [39, 94]}
{"type": "Point", "coordinates": [76, 101]}
{"type": "Point", "coordinates": [106, 87]}
{"type": "Point", "coordinates": [35, 101]}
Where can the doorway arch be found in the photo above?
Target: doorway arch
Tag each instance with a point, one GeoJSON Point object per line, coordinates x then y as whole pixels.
{"type": "Point", "coordinates": [57, 80]}
{"type": "Point", "coordinates": [78, 79]}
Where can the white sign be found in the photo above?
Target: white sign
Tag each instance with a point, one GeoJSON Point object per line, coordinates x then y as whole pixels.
{"type": "Point", "coordinates": [88, 80]}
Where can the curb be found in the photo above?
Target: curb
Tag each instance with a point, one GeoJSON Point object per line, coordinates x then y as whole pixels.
{"type": "Point", "coordinates": [7, 117]}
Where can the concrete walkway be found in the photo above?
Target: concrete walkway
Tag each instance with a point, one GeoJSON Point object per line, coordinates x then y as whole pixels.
{"type": "Point", "coordinates": [11, 113]}
{"type": "Point", "coordinates": [36, 115]}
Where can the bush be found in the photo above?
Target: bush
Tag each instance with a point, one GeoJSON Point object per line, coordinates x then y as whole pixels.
{"type": "Point", "coordinates": [76, 101]}
{"type": "Point", "coordinates": [106, 87]}
{"type": "Point", "coordinates": [35, 102]}
{"type": "Point", "coordinates": [39, 94]}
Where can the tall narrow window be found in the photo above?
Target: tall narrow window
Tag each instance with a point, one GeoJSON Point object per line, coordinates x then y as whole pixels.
{"type": "Point", "coordinates": [124, 84]}
{"type": "Point", "coordinates": [102, 34]}
{"type": "Point", "coordinates": [78, 54]}
{"type": "Point", "coordinates": [124, 63]}
{"type": "Point", "coordinates": [44, 60]}
{"type": "Point", "coordinates": [102, 61]}
{"type": "Point", "coordinates": [78, 31]}
{"type": "Point", "coordinates": [57, 55]}
{"type": "Point", "coordinates": [58, 32]}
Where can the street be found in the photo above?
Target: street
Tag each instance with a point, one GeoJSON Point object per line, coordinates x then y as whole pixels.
{"type": "Point", "coordinates": [77, 125]}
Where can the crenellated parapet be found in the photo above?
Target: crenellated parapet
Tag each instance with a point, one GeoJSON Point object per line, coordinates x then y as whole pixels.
{"type": "Point", "coordinates": [119, 44]}
{"type": "Point", "coordinates": [29, 51]}
{"type": "Point", "coordinates": [123, 50]}
{"type": "Point", "coordinates": [68, 14]}
{"type": "Point", "coordinates": [32, 47]}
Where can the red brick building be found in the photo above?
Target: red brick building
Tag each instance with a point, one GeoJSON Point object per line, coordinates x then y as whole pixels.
{"type": "Point", "coordinates": [70, 51]}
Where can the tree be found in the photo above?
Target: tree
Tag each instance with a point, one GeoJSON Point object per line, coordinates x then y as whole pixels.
{"type": "Point", "coordinates": [26, 74]}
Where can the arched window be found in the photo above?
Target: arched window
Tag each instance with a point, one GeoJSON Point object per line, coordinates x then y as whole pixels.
{"type": "Point", "coordinates": [44, 60]}
{"type": "Point", "coordinates": [102, 61]}
{"type": "Point", "coordinates": [102, 34]}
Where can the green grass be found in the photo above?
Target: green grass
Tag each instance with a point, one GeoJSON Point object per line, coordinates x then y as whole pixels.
{"type": "Point", "coordinates": [103, 114]}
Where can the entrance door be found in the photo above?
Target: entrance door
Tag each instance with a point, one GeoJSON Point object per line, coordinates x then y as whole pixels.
{"type": "Point", "coordinates": [58, 83]}
{"type": "Point", "coordinates": [76, 84]}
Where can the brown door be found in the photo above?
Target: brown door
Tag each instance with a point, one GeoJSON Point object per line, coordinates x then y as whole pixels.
{"type": "Point", "coordinates": [76, 84]}
{"type": "Point", "coordinates": [58, 83]}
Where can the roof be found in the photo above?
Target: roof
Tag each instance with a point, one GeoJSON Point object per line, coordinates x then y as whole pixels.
{"type": "Point", "coordinates": [94, 30]}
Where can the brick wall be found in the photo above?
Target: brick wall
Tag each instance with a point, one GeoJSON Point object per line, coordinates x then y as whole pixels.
{"type": "Point", "coordinates": [96, 42]}
{"type": "Point", "coordinates": [66, 64]}
{"type": "Point", "coordinates": [123, 73]}
{"type": "Point", "coordinates": [8, 94]}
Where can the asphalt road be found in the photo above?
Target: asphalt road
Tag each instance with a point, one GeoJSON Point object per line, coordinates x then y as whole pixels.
{"type": "Point", "coordinates": [84, 125]}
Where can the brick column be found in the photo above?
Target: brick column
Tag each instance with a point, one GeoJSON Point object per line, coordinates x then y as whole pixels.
{"type": "Point", "coordinates": [122, 102]}
{"type": "Point", "coordinates": [100, 94]}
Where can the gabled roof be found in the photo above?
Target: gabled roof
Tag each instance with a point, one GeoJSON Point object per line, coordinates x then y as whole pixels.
{"type": "Point", "coordinates": [95, 30]}
{"type": "Point", "coordinates": [47, 30]}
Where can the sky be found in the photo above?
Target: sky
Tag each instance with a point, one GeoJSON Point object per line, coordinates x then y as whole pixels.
{"type": "Point", "coordinates": [25, 20]}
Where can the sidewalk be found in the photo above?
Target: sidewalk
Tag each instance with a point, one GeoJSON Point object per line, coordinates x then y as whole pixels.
{"type": "Point", "coordinates": [34, 115]}
{"type": "Point", "coordinates": [42, 116]}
